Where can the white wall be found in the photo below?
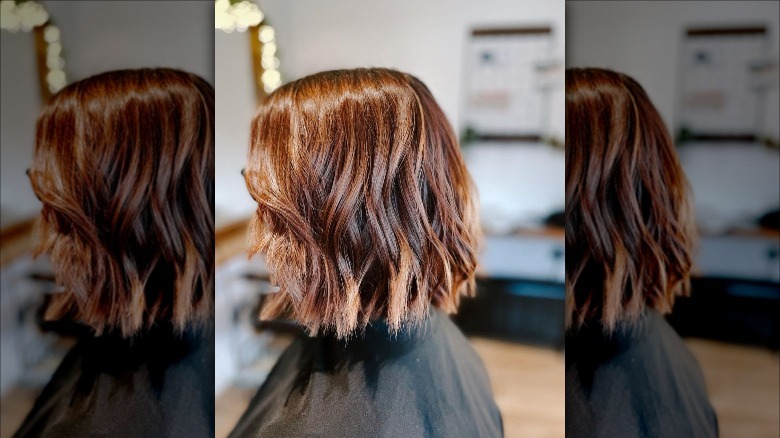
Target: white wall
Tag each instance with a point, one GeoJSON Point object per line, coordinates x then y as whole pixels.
{"type": "Point", "coordinates": [732, 184]}
{"type": "Point", "coordinates": [19, 106]}
{"type": "Point", "coordinates": [424, 38]}
{"type": "Point", "coordinates": [235, 105]}
{"type": "Point", "coordinates": [96, 37]}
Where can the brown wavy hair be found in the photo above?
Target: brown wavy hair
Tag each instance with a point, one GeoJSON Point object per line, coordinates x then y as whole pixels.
{"type": "Point", "coordinates": [629, 225]}
{"type": "Point", "coordinates": [124, 167]}
{"type": "Point", "coordinates": [365, 208]}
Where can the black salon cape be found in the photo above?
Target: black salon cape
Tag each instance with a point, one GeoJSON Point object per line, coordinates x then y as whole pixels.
{"type": "Point", "coordinates": [426, 382]}
{"type": "Point", "coordinates": [640, 382]}
{"type": "Point", "coordinates": [157, 385]}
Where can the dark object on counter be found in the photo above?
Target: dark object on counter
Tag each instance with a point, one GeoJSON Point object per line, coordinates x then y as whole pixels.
{"type": "Point", "coordinates": [426, 381]}
{"type": "Point", "coordinates": [158, 384]}
{"type": "Point", "coordinates": [557, 220]}
{"type": "Point", "coordinates": [730, 310]}
{"type": "Point", "coordinates": [63, 326]}
{"type": "Point", "coordinates": [770, 220]}
{"type": "Point", "coordinates": [263, 286]}
{"type": "Point", "coordinates": [636, 382]}
{"type": "Point", "coordinates": [525, 311]}
{"type": "Point", "coordinates": [276, 325]}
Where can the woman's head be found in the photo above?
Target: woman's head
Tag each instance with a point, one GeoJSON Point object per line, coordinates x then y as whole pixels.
{"type": "Point", "coordinates": [124, 167]}
{"type": "Point", "coordinates": [365, 208]}
{"type": "Point", "coordinates": [629, 228]}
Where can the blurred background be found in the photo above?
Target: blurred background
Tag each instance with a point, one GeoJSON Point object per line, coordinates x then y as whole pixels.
{"type": "Point", "coordinates": [711, 68]}
{"type": "Point", "coordinates": [496, 69]}
{"type": "Point", "coordinates": [44, 46]}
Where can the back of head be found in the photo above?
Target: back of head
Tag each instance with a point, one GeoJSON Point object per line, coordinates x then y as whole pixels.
{"type": "Point", "coordinates": [124, 167]}
{"type": "Point", "coordinates": [365, 208]}
{"type": "Point", "coordinates": [629, 227]}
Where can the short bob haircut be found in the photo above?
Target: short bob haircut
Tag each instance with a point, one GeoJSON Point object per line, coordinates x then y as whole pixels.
{"type": "Point", "coordinates": [124, 167]}
{"type": "Point", "coordinates": [629, 225]}
{"type": "Point", "coordinates": [365, 208]}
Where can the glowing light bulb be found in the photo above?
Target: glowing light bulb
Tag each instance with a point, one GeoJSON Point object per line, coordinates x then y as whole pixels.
{"type": "Point", "coordinates": [266, 34]}
{"type": "Point", "coordinates": [54, 49]}
{"type": "Point", "coordinates": [31, 14]}
{"type": "Point", "coordinates": [269, 49]}
{"type": "Point", "coordinates": [239, 16]}
{"type": "Point", "coordinates": [56, 78]}
{"type": "Point", "coordinates": [51, 34]}
{"type": "Point", "coordinates": [270, 62]}
{"type": "Point", "coordinates": [271, 77]}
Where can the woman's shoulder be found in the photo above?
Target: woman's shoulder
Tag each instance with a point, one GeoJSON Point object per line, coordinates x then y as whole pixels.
{"type": "Point", "coordinates": [98, 391]}
{"type": "Point", "coordinates": [378, 384]}
{"type": "Point", "coordinates": [642, 381]}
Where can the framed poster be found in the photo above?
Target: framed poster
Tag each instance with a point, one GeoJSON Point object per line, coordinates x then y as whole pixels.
{"type": "Point", "coordinates": [723, 83]}
{"type": "Point", "coordinates": [509, 75]}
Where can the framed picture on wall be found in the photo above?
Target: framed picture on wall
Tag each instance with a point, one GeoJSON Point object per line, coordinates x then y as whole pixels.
{"type": "Point", "coordinates": [508, 78]}
{"type": "Point", "coordinates": [723, 83]}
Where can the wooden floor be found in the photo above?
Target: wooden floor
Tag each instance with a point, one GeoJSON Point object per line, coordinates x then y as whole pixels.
{"type": "Point", "coordinates": [529, 386]}
{"type": "Point", "coordinates": [229, 407]}
{"type": "Point", "coordinates": [744, 387]}
{"type": "Point", "coordinates": [15, 405]}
